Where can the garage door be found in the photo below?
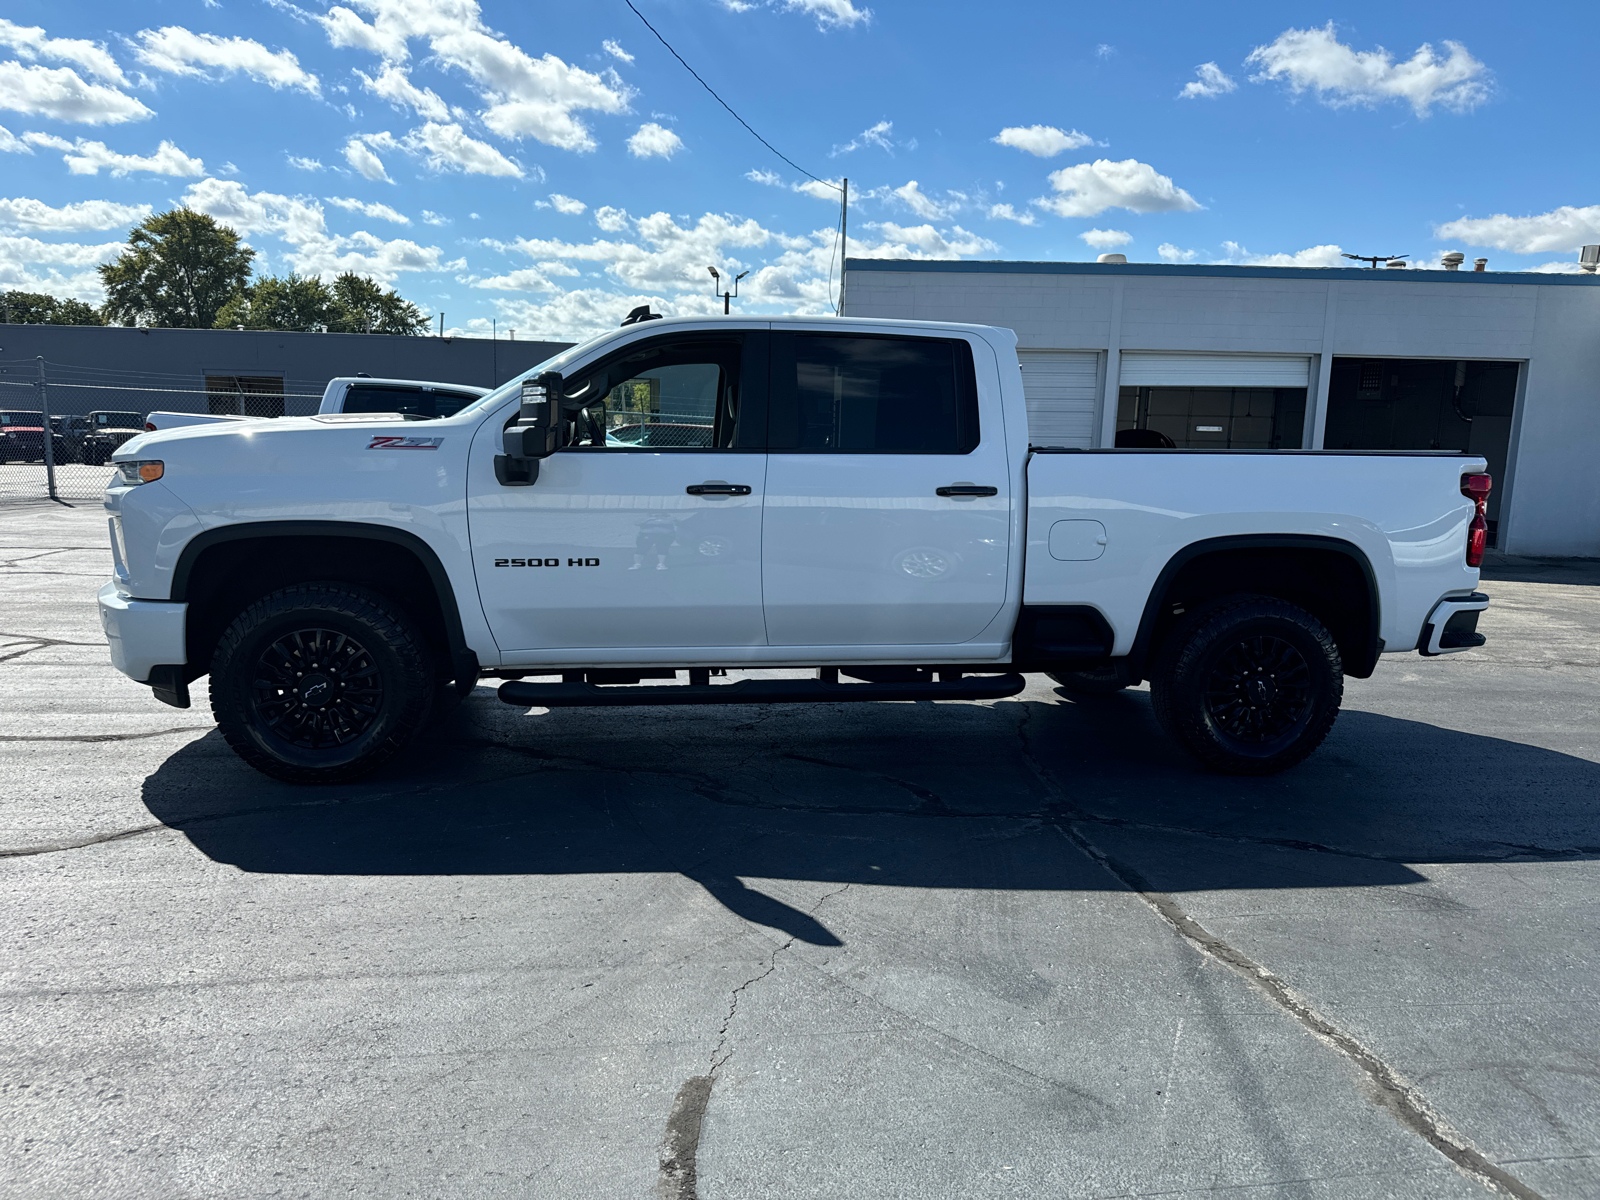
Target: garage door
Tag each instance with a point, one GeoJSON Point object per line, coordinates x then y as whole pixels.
{"type": "Point", "coordinates": [1060, 386]}
{"type": "Point", "coordinates": [1144, 369]}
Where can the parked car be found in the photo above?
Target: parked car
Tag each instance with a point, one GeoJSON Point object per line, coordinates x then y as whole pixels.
{"type": "Point", "coordinates": [21, 436]}
{"type": "Point", "coordinates": [862, 502]}
{"type": "Point", "coordinates": [66, 437]}
{"type": "Point", "coordinates": [408, 397]}
{"type": "Point", "coordinates": [107, 432]}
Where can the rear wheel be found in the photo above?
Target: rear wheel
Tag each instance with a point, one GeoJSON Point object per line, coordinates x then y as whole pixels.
{"type": "Point", "coordinates": [1249, 687]}
{"type": "Point", "coordinates": [320, 683]}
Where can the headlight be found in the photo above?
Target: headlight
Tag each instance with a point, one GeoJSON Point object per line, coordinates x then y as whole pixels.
{"type": "Point", "coordinates": [139, 470]}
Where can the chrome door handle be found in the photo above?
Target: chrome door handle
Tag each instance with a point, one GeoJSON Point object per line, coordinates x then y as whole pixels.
{"type": "Point", "coordinates": [715, 487]}
{"type": "Point", "coordinates": [967, 489]}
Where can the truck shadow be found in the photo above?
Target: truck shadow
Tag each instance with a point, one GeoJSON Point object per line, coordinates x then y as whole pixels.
{"type": "Point", "coordinates": [960, 796]}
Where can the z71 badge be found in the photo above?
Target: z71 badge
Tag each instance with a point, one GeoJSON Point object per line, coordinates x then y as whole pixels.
{"type": "Point", "coordinates": [404, 443]}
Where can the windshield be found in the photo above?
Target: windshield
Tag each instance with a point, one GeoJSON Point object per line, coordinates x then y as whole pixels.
{"type": "Point", "coordinates": [514, 385]}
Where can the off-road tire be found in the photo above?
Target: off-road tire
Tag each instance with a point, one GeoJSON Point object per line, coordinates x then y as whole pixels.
{"type": "Point", "coordinates": [1250, 685]}
{"type": "Point", "coordinates": [1096, 681]}
{"type": "Point", "coordinates": [333, 636]}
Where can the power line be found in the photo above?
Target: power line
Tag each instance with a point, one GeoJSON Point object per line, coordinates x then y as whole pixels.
{"type": "Point", "coordinates": [726, 105]}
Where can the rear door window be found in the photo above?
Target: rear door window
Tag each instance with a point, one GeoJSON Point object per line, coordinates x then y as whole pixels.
{"type": "Point", "coordinates": [868, 394]}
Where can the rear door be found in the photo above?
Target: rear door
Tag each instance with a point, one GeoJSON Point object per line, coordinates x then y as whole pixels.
{"type": "Point", "coordinates": [888, 499]}
{"type": "Point", "coordinates": [646, 531]}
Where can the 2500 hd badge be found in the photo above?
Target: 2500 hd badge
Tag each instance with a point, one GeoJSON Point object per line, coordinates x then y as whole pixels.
{"type": "Point", "coordinates": [545, 562]}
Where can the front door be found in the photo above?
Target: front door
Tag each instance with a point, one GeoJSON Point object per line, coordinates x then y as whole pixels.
{"type": "Point", "coordinates": [646, 530]}
{"type": "Point", "coordinates": [887, 517]}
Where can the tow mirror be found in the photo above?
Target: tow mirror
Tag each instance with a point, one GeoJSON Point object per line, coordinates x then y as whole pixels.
{"type": "Point", "coordinates": [536, 433]}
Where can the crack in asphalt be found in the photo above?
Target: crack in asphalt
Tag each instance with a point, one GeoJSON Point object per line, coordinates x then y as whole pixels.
{"type": "Point", "coordinates": [1386, 1087]}
{"type": "Point", "coordinates": [101, 737]}
{"type": "Point", "coordinates": [38, 643]}
{"type": "Point", "coordinates": [680, 1145]}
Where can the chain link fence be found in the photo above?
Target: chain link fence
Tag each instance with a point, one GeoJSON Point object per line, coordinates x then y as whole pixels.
{"type": "Point", "coordinates": [90, 412]}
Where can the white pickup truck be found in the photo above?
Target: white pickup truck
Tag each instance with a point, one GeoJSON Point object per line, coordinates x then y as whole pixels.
{"type": "Point", "coordinates": [687, 497]}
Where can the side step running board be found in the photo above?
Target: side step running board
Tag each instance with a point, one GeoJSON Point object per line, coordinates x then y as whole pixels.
{"type": "Point", "coordinates": [755, 691]}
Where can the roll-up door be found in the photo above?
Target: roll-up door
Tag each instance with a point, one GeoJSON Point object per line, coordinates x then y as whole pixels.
{"type": "Point", "coordinates": [1061, 390]}
{"type": "Point", "coordinates": [1146, 369]}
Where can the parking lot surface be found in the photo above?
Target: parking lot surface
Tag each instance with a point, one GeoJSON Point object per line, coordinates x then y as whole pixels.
{"type": "Point", "coordinates": [1011, 948]}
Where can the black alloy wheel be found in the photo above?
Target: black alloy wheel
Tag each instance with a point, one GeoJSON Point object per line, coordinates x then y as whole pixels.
{"type": "Point", "coordinates": [321, 682]}
{"type": "Point", "coordinates": [317, 688]}
{"type": "Point", "coordinates": [1249, 685]}
{"type": "Point", "coordinates": [1259, 691]}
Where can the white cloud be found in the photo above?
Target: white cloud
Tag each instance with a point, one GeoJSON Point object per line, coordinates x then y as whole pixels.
{"type": "Point", "coordinates": [617, 51]}
{"type": "Point", "coordinates": [612, 220]}
{"type": "Point", "coordinates": [1046, 141]}
{"type": "Point", "coordinates": [1173, 254]}
{"type": "Point", "coordinates": [299, 221]}
{"type": "Point", "coordinates": [300, 163]}
{"type": "Point", "coordinates": [1314, 256]}
{"type": "Point", "coordinates": [924, 241]}
{"type": "Point", "coordinates": [1564, 228]}
{"type": "Point", "coordinates": [1004, 212]}
{"type": "Point", "coordinates": [89, 158]}
{"type": "Point", "coordinates": [62, 95]}
{"type": "Point", "coordinates": [1557, 268]}
{"type": "Point", "coordinates": [1315, 60]}
{"type": "Point", "coordinates": [20, 256]}
{"type": "Point", "coordinates": [447, 147]}
{"type": "Point", "coordinates": [432, 218]}
{"type": "Point", "coordinates": [820, 190]}
{"type": "Point", "coordinates": [836, 14]}
{"type": "Point", "coordinates": [179, 51]}
{"type": "Point", "coordinates": [10, 143]}
{"type": "Point", "coordinates": [395, 86]}
{"type": "Point", "coordinates": [877, 136]}
{"type": "Point", "coordinates": [1104, 50]}
{"type": "Point", "coordinates": [26, 213]}
{"type": "Point", "coordinates": [920, 202]}
{"type": "Point", "coordinates": [770, 178]}
{"type": "Point", "coordinates": [524, 96]}
{"type": "Point", "coordinates": [361, 153]}
{"type": "Point", "coordinates": [1090, 188]}
{"type": "Point", "coordinates": [1106, 239]}
{"type": "Point", "coordinates": [566, 204]}
{"type": "Point", "coordinates": [653, 139]}
{"type": "Point", "coordinates": [1211, 81]}
{"type": "Point", "coordinates": [31, 43]}
{"type": "Point", "coordinates": [381, 212]}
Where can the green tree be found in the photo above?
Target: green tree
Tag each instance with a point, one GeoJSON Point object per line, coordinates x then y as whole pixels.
{"type": "Point", "coordinates": [362, 305]}
{"type": "Point", "coordinates": [36, 308]}
{"type": "Point", "coordinates": [290, 303]}
{"type": "Point", "coordinates": [178, 271]}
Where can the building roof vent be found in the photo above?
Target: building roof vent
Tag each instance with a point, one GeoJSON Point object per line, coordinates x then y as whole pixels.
{"type": "Point", "coordinates": [1453, 260]}
{"type": "Point", "coordinates": [1112, 258]}
{"type": "Point", "coordinates": [1480, 264]}
{"type": "Point", "coordinates": [1589, 258]}
{"type": "Point", "coordinates": [1396, 264]}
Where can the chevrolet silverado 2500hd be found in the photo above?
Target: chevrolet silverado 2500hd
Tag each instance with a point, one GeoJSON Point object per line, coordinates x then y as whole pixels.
{"type": "Point", "coordinates": [681, 497]}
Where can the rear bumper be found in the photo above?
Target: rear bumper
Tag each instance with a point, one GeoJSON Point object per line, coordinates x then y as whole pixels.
{"type": "Point", "coordinates": [143, 634]}
{"type": "Point", "coordinates": [1453, 626]}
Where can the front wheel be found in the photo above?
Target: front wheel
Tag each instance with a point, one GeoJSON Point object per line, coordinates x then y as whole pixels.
{"type": "Point", "coordinates": [320, 683]}
{"type": "Point", "coordinates": [1249, 687]}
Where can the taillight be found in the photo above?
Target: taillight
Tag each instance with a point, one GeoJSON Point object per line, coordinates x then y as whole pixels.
{"type": "Point", "coordinates": [149, 428]}
{"type": "Point", "coordinates": [1476, 488]}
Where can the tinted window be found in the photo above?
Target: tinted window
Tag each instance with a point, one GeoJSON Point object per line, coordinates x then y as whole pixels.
{"type": "Point", "coordinates": [866, 395]}
{"type": "Point", "coordinates": [118, 420]}
{"type": "Point", "coordinates": [22, 418]}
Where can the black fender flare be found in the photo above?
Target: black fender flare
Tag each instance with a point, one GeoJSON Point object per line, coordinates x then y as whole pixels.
{"type": "Point", "coordinates": [1361, 669]}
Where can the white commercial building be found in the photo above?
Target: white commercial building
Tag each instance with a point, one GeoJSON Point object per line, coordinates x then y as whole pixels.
{"type": "Point", "coordinates": [1283, 358]}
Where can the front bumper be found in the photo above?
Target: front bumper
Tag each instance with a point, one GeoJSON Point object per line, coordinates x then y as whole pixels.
{"type": "Point", "coordinates": [1453, 626]}
{"type": "Point", "coordinates": [143, 634]}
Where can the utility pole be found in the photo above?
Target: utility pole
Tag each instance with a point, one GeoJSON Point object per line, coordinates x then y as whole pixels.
{"type": "Point", "coordinates": [844, 249]}
{"type": "Point", "coordinates": [49, 435]}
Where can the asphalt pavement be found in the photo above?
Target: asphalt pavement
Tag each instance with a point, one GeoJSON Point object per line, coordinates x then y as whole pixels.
{"type": "Point", "coordinates": [1012, 948]}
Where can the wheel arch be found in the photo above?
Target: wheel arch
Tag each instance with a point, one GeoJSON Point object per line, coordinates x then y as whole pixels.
{"type": "Point", "coordinates": [220, 571]}
{"type": "Point", "coordinates": [1331, 578]}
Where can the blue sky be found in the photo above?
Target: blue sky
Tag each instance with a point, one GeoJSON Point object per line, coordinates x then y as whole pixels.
{"type": "Point", "coordinates": [548, 166]}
